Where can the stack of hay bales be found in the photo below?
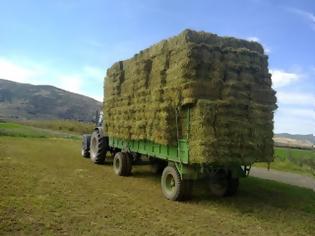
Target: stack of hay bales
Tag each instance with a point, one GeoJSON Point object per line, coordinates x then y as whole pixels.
{"type": "Point", "coordinates": [224, 81]}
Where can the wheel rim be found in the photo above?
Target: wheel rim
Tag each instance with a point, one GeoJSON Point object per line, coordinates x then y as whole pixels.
{"type": "Point", "coordinates": [170, 184]}
{"type": "Point", "coordinates": [116, 165]}
{"type": "Point", "coordinates": [93, 147]}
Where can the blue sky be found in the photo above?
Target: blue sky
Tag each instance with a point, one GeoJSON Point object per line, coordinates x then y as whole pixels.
{"type": "Point", "coordinates": [71, 43]}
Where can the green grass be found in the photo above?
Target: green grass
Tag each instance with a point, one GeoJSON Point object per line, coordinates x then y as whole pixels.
{"type": "Point", "coordinates": [47, 188]}
{"type": "Point", "coordinates": [293, 160]}
{"type": "Point", "coordinates": [19, 130]}
{"type": "Point", "coordinates": [69, 126]}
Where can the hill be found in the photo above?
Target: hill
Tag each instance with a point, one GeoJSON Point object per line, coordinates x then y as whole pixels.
{"type": "Point", "coordinates": [306, 137]}
{"type": "Point", "coordinates": [26, 101]}
{"type": "Point", "coordinates": [294, 140]}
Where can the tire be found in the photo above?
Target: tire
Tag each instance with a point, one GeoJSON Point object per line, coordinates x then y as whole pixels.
{"type": "Point", "coordinates": [233, 186]}
{"type": "Point", "coordinates": [85, 153]}
{"type": "Point", "coordinates": [122, 164]}
{"type": "Point", "coordinates": [98, 148]}
{"type": "Point", "coordinates": [85, 148]}
{"type": "Point", "coordinates": [223, 184]}
{"type": "Point", "coordinates": [219, 183]}
{"type": "Point", "coordinates": [129, 164]}
{"type": "Point", "coordinates": [188, 189]}
{"type": "Point", "coordinates": [173, 188]}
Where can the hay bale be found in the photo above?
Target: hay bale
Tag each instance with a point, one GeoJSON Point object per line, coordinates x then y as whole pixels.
{"type": "Point", "coordinates": [224, 80]}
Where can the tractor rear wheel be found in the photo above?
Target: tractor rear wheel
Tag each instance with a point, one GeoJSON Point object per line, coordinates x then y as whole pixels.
{"type": "Point", "coordinates": [98, 147]}
{"type": "Point", "coordinates": [122, 164]}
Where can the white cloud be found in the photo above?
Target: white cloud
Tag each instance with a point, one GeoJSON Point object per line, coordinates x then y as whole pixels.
{"type": "Point", "coordinates": [76, 82]}
{"type": "Point", "coordinates": [305, 14]}
{"type": "Point", "coordinates": [98, 98]}
{"type": "Point", "coordinates": [299, 112]}
{"type": "Point", "coordinates": [94, 72]}
{"type": "Point", "coordinates": [294, 98]}
{"type": "Point", "coordinates": [18, 73]}
{"type": "Point", "coordinates": [256, 39]}
{"type": "Point", "coordinates": [282, 78]}
{"type": "Point", "coordinates": [72, 83]}
{"type": "Point", "coordinates": [294, 124]}
{"type": "Point", "coordinates": [295, 120]}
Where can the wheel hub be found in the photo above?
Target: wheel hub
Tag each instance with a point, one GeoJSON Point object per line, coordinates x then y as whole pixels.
{"type": "Point", "coordinates": [170, 183]}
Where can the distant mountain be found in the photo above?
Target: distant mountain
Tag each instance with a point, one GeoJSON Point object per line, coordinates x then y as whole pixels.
{"type": "Point", "coordinates": [294, 140]}
{"type": "Point", "coordinates": [309, 137]}
{"type": "Point", "coordinates": [25, 101]}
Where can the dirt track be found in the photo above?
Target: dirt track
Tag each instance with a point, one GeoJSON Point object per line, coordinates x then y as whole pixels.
{"type": "Point", "coordinates": [284, 177]}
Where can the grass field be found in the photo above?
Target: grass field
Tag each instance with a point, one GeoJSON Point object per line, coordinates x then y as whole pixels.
{"type": "Point", "coordinates": [69, 126]}
{"type": "Point", "coordinates": [20, 130]}
{"type": "Point", "coordinates": [293, 160]}
{"type": "Point", "coordinates": [46, 187]}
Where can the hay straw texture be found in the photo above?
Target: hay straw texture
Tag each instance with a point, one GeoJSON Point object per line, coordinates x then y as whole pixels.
{"type": "Point", "coordinates": [224, 81]}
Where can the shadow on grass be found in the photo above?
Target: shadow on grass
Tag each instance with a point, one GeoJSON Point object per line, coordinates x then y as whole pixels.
{"type": "Point", "coordinates": [254, 194]}
{"type": "Point", "coordinates": [146, 174]}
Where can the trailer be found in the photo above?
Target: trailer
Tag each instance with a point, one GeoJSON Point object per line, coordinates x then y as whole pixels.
{"type": "Point", "coordinates": [190, 107]}
{"type": "Point", "coordinates": [172, 161]}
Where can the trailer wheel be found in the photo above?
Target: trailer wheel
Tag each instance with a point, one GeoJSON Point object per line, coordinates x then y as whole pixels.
{"type": "Point", "coordinates": [122, 164]}
{"type": "Point", "coordinates": [188, 189]}
{"type": "Point", "coordinates": [223, 184]}
{"type": "Point", "coordinates": [219, 183]}
{"type": "Point", "coordinates": [233, 186]}
{"type": "Point", "coordinates": [98, 147]}
{"type": "Point", "coordinates": [85, 148]}
{"type": "Point", "coordinates": [172, 186]}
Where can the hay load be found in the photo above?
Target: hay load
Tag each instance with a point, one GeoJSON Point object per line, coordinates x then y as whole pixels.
{"type": "Point", "coordinates": [224, 82]}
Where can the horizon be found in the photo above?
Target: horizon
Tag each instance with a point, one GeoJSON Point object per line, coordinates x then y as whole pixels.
{"type": "Point", "coordinates": [70, 44]}
{"type": "Point", "coordinates": [281, 133]}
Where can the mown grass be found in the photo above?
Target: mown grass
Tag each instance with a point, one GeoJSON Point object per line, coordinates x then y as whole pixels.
{"type": "Point", "coordinates": [293, 160]}
{"type": "Point", "coordinates": [47, 188]}
{"type": "Point", "coordinates": [69, 126]}
{"type": "Point", "coordinates": [286, 159]}
{"type": "Point", "coordinates": [19, 130]}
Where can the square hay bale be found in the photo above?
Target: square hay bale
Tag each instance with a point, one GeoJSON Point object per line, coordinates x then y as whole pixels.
{"type": "Point", "coordinates": [224, 80]}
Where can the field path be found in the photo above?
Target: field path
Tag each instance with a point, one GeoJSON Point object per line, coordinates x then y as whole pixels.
{"type": "Point", "coordinates": [284, 177]}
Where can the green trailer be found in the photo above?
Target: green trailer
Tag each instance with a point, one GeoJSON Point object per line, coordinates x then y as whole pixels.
{"type": "Point", "coordinates": [195, 106]}
{"type": "Point", "coordinates": [173, 162]}
{"type": "Point", "coordinates": [179, 173]}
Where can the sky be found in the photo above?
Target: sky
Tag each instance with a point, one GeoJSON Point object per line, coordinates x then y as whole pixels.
{"type": "Point", "coordinates": [70, 43]}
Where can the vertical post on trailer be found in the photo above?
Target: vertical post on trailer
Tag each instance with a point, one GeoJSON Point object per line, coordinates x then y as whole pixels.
{"type": "Point", "coordinates": [180, 165]}
{"type": "Point", "coordinates": [188, 123]}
